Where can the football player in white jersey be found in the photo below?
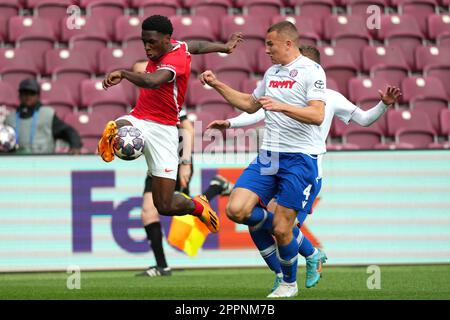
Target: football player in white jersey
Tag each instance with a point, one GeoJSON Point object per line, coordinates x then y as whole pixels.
{"type": "Point", "coordinates": [286, 167]}
{"type": "Point", "coordinates": [337, 105]}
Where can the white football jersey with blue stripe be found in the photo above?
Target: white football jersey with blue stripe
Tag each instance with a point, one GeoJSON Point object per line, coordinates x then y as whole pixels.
{"type": "Point", "coordinates": [295, 84]}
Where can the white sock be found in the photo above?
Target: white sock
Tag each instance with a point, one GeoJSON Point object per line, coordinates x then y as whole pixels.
{"type": "Point", "coordinates": [279, 275]}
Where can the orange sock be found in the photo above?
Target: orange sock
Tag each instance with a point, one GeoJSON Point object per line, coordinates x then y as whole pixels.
{"type": "Point", "coordinates": [198, 208]}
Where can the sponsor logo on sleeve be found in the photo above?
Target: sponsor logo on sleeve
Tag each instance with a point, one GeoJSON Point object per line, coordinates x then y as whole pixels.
{"type": "Point", "coordinates": [319, 84]}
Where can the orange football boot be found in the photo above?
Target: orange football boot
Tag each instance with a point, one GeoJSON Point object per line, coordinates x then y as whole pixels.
{"type": "Point", "coordinates": [208, 217]}
{"type": "Point", "coordinates": [105, 144]}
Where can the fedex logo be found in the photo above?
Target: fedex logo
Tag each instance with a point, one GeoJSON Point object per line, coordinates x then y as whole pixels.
{"type": "Point", "coordinates": [84, 209]}
{"type": "Point", "coordinates": [285, 84]}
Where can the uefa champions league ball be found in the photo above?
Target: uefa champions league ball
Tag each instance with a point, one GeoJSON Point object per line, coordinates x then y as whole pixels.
{"type": "Point", "coordinates": [7, 138]}
{"type": "Point", "coordinates": [129, 143]}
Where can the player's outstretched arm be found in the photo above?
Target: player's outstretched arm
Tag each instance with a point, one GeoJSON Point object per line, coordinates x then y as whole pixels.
{"type": "Point", "coordinates": [240, 100]}
{"type": "Point", "coordinates": [388, 98]}
{"type": "Point", "coordinates": [313, 113]}
{"type": "Point", "coordinates": [202, 47]}
{"type": "Point", "coordinates": [242, 120]}
{"type": "Point", "coordinates": [148, 80]}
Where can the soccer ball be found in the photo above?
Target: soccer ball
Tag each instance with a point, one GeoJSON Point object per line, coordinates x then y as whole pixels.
{"type": "Point", "coordinates": [7, 138]}
{"type": "Point", "coordinates": [129, 143]}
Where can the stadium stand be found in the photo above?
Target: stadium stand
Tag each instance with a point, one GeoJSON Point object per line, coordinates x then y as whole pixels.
{"type": "Point", "coordinates": [69, 54]}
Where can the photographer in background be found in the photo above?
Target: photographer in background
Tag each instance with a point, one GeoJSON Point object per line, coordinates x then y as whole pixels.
{"type": "Point", "coordinates": [37, 127]}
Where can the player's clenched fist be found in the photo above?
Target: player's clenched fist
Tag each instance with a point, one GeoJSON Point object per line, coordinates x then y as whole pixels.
{"type": "Point", "coordinates": [209, 78]}
{"type": "Point", "coordinates": [219, 124]}
{"type": "Point", "coordinates": [112, 79]}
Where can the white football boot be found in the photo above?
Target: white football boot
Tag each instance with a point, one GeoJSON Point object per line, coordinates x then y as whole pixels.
{"type": "Point", "coordinates": [285, 290]}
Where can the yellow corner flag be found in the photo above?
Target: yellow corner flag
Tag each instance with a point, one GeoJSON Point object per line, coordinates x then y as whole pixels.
{"type": "Point", "coordinates": [187, 233]}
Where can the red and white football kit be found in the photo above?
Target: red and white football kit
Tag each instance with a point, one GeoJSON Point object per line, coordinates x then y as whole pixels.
{"type": "Point", "coordinates": [156, 112]}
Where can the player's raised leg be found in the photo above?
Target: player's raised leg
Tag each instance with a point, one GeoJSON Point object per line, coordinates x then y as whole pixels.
{"type": "Point", "coordinates": [175, 204]}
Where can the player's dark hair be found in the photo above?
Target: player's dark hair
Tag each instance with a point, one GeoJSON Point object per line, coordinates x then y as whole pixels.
{"type": "Point", "coordinates": [285, 27]}
{"type": "Point", "coordinates": [158, 23]}
{"type": "Point", "coordinates": [311, 52]}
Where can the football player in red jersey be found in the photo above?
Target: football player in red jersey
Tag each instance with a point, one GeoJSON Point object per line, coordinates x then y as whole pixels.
{"type": "Point", "coordinates": [156, 113]}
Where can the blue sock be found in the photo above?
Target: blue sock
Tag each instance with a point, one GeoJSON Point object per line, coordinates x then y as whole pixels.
{"type": "Point", "coordinates": [288, 260]}
{"type": "Point", "coordinates": [259, 215]}
{"type": "Point", "coordinates": [305, 248]}
{"type": "Point", "coordinates": [267, 248]}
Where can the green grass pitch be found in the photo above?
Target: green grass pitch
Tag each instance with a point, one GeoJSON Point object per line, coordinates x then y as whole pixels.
{"type": "Point", "coordinates": [397, 282]}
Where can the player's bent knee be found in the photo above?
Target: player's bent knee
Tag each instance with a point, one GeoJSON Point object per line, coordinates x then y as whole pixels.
{"type": "Point", "coordinates": [281, 233]}
{"type": "Point", "coordinates": [236, 213]}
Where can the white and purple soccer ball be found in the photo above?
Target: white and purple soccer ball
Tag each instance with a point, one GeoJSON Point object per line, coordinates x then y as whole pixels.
{"type": "Point", "coordinates": [7, 138]}
{"type": "Point", "coordinates": [129, 143]}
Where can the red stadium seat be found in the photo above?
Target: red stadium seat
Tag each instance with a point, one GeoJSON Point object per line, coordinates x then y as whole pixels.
{"type": "Point", "coordinates": [441, 72]}
{"type": "Point", "coordinates": [419, 9]}
{"type": "Point", "coordinates": [8, 95]}
{"type": "Point", "coordinates": [394, 146]}
{"type": "Point", "coordinates": [90, 46]}
{"type": "Point", "coordinates": [210, 9]}
{"type": "Point", "coordinates": [305, 27]}
{"type": "Point", "coordinates": [34, 34]}
{"type": "Point", "coordinates": [438, 26]}
{"type": "Point", "coordinates": [254, 30]}
{"type": "Point", "coordinates": [107, 11]}
{"type": "Point", "coordinates": [364, 91]}
{"type": "Point", "coordinates": [70, 68]}
{"type": "Point", "coordinates": [95, 97]}
{"type": "Point", "coordinates": [359, 7]}
{"type": "Point", "coordinates": [403, 118]}
{"type": "Point", "coordinates": [332, 85]}
{"type": "Point", "coordinates": [197, 64]}
{"type": "Point", "coordinates": [88, 35]}
{"type": "Point", "coordinates": [425, 94]}
{"type": "Point", "coordinates": [445, 122]}
{"type": "Point", "coordinates": [385, 62]}
{"type": "Point", "coordinates": [262, 8]}
{"type": "Point", "coordinates": [432, 56]}
{"type": "Point", "coordinates": [60, 60]}
{"type": "Point", "coordinates": [111, 59]}
{"type": "Point", "coordinates": [3, 29]}
{"type": "Point", "coordinates": [86, 3]}
{"type": "Point", "coordinates": [191, 28]}
{"type": "Point", "coordinates": [57, 96]}
{"type": "Point", "coordinates": [163, 7]}
{"type": "Point", "coordinates": [52, 11]}
{"type": "Point", "coordinates": [9, 8]}
{"type": "Point", "coordinates": [82, 27]}
{"type": "Point", "coordinates": [127, 28]}
{"type": "Point", "coordinates": [250, 84]}
{"type": "Point", "coordinates": [412, 127]}
{"type": "Point", "coordinates": [363, 137]}
{"type": "Point", "coordinates": [230, 68]}
{"type": "Point", "coordinates": [339, 66]}
{"type": "Point", "coordinates": [16, 65]}
{"type": "Point", "coordinates": [89, 126]}
{"type": "Point", "coordinates": [318, 10]}
{"type": "Point", "coordinates": [403, 31]}
{"type": "Point", "coordinates": [202, 95]}
{"type": "Point", "coordinates": [263, 61]}
{"type": "Point", "coordinates": [348, 32]}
